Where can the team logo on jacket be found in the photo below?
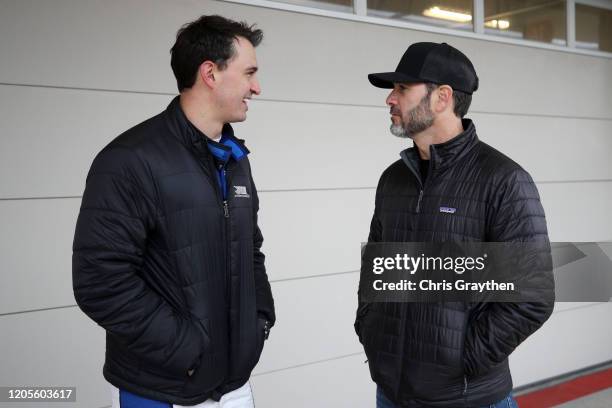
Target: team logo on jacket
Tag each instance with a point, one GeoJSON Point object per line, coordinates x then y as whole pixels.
{"type": "Point", "coordinates": [448, 210]}
{"type": "Point", "coordinates": [241, 191]}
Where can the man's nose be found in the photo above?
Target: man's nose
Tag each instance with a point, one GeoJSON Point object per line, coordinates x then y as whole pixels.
{"type": "Point", "coordinates": [391, 99]}
{"type": "Point", "coordinates": [255, 87]}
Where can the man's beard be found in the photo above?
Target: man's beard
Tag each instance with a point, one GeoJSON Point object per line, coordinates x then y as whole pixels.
{"type": "Point", "coordinates": [419, 118]}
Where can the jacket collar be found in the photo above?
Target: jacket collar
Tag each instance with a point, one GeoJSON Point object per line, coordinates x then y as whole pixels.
{"type": "Point", "coordinates": [444, 155]}
{"type": "Point", "coordinates": [193, 138]}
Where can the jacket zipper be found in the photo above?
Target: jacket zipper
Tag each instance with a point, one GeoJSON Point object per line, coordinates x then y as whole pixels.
{"type": "Point", "coordinates": [223, 200]}
{"type": "Point", "coordinates": [418, 207]}
{"type": "Point", "coordinates": [465, 379]}
{"type": "Point", "coordinates": [225, 209]}
{"type": "Point", "coordinates": [210, 171]}
{"type": "Point", "coordinates": [421, 189]}
{"type": "Point", "coordinates": [226, 214]}
{"type": "Point", "coordinates": [422, 185]}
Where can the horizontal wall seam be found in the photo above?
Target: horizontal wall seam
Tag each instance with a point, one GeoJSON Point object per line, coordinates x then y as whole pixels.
{"type": "Point", "coordinates": [321, 275]}
{"type": "Point", "coordinates": [78, 88]}
{"type": "Point", "coordinates": [40, 198]}
{"type": "Point", "coordinates": [280, 280]}
{"type": "Point", "coordinates": [127, 91]}
{"type": "Point", "coordinates": [308, 364]}
{"type": "Point", "coordinates": [293, 190]}
{"type": "Point", "coordinates": [37, 310]}
{"type": "Point", "coordinates": [579, 307]}
{"type": "Point", "coordinates": [573, 181]}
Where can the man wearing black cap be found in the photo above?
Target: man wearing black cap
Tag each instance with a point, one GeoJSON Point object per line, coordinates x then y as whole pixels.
{"type": "Point", "coordinates": [448, 187]}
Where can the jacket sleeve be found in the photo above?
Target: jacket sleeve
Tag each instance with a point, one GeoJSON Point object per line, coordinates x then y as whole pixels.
{"type": "Point", "coordinates": [375, 235]}
{"type": "Point", "coordinates": [110, 241]}
{"type": "Point", "coordinates": [263, 292]}
{"type": "Point", "coordinates": [498, 328]}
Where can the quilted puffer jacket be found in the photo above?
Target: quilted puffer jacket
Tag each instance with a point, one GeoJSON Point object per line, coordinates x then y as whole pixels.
{"type": "Point", "coordinates": [452, 354]}
{"type": "Point", "coordinates": [171, 270]}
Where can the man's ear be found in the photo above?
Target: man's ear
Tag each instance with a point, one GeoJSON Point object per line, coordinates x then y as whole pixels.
{"type": "Point", "coordinates": [206, 72]}
{"type": "Point", "coordinates": [444, 98]}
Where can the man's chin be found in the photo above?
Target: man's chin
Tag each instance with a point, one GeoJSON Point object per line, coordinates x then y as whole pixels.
{"type": "Point", "coordinates": [399, 131]}
{"type": "Point", "coordinates": [237, 119]}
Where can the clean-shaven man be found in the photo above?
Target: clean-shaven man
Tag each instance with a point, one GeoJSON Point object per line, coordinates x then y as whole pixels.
{"type": "Point", "coordinates": [166, 254]}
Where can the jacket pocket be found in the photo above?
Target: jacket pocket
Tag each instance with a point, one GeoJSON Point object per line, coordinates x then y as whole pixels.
{"type": "Point", "coordinates": [260, 337]}
{"type": "Point", "coordinates": [204, 328]}
{"type": "Point", "coordinates": [362, 312]}
{"type": "Point", "coordinates": [176, 378]}
{"type": "Point", "coordinates": [211, 368]}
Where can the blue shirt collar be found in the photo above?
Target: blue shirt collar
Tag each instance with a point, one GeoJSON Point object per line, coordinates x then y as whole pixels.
{"type": "Point", "coordinates": [228, 146]}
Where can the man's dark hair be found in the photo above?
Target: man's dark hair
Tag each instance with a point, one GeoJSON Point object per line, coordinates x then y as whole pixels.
{"type": "Point", "coordinates": [462, 101]}
{"type": "Point", "coordinates": [209, 38]}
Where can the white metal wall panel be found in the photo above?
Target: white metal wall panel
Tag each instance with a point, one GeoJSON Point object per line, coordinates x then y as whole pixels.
{"type": "Point", "coordinates": [344, 382]}
{"type": "Point", "coordinates": [577, 212]}
{"type": "Point", "coordinates": [50, 136]}
{"type": "Point", "coordinates": [306, 233]}
{"type": "Point", "coordinates": [315, 311]}
{"type": "Point", "coordinates": [36, 252]}
{"type": "Point", "coordinates": [568, 341]}
{"type": "Point", "coordinates": [294, 145]}
{"type": "Point", "coordinates": [124, 45]}
{"type": "Point", "coordinates": [61, 348]}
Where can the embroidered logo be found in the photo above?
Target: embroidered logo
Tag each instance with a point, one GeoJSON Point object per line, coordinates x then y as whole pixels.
{"type": "Point", "coordinates": [448, 210]}
{"type": "Point", "coordinates": [241, 191]}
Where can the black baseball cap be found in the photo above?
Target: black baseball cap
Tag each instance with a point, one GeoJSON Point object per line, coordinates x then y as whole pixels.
{"type": "Point", "coordinates": [431, 62]}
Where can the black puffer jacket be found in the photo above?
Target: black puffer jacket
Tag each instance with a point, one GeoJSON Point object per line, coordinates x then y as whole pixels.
{"type": "Point", "coordinates": [452, 354]}
{"type": "Point", "coordinates": [174, 275]}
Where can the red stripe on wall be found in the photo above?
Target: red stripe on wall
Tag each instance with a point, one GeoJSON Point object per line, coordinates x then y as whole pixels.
{"type": "Point", "coordinates": [567, 391]}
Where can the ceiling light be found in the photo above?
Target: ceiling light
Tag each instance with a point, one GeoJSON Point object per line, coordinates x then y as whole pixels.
{"type": "Point", "coordinates": [501, 24]}
{"type": "Point", "coordinates": [437, 12]}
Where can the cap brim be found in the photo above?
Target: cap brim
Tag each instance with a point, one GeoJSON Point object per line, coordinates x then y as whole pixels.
{"type": "Point", "coordinates": [387, 79]}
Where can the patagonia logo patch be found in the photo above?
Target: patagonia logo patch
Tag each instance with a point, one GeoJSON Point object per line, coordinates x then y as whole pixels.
{"type": "Point", "coordinates": [240, 191]}
{"type": "Point", "coordinates": [448, 210]}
